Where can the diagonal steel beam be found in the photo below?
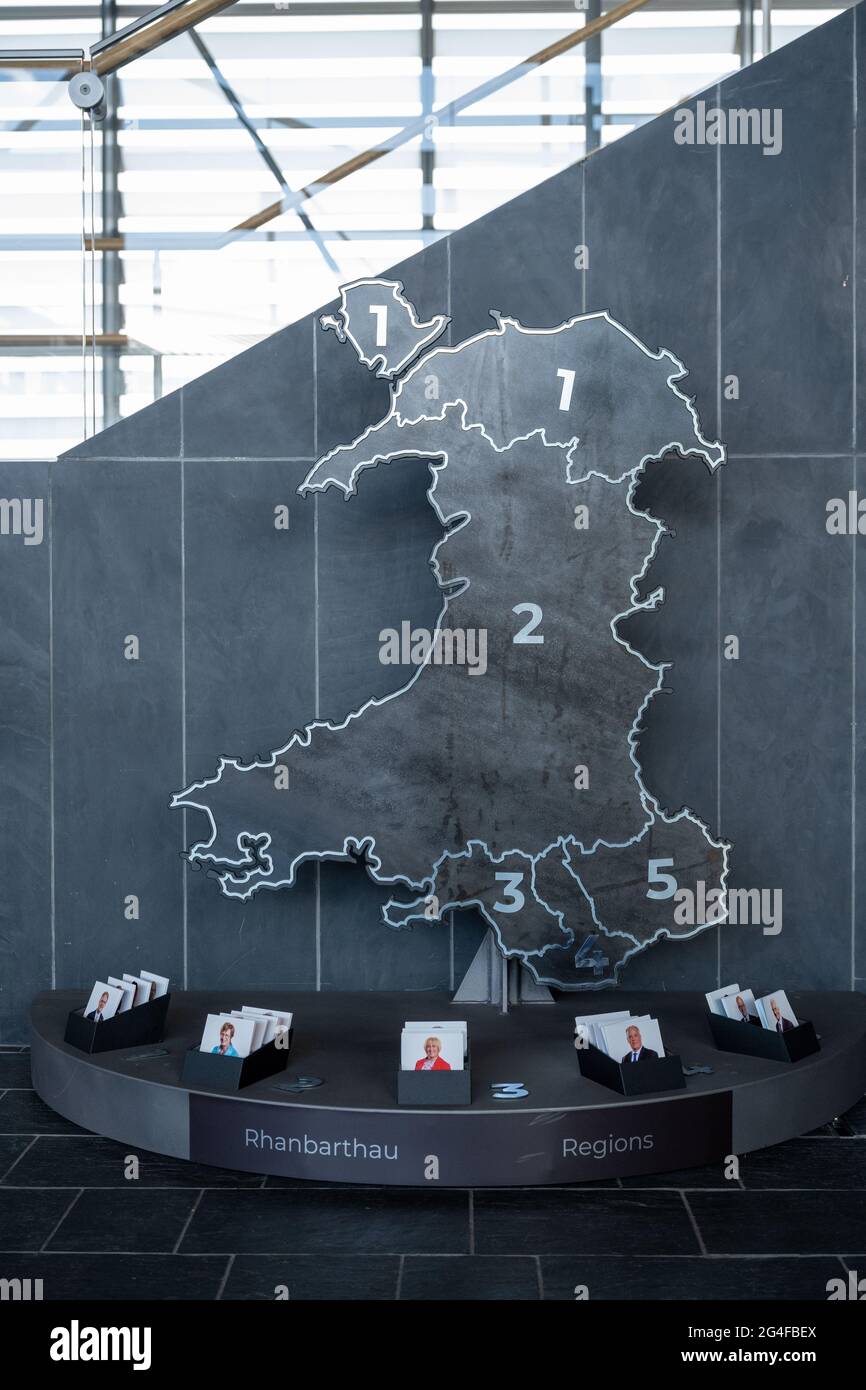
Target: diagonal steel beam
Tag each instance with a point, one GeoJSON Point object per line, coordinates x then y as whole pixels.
{"type": "Point", "coordinates": [442, 115]}
{"type": "Point", "coordinates": [267, 158]}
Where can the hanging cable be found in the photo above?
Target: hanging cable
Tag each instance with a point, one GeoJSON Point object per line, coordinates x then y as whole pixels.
{"type": "Point", "coordinates": [83, 280]}
{"type": "Point", "coordinates": [92, 273]}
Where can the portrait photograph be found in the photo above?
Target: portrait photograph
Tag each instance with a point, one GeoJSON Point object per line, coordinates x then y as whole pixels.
{"type": "Point", "coordinates": [225, 1036]}
{"type": "Point", "coordinates": [633, 1040]}
{"type": "Point", "coordinates": [715, 997]}
{"type": "Point", "coordinates": [776, 1013]}
{"type": "Point", "coordinates": [104, 1002]}
{"type": "Point", "coordinates": [741, 1007]}
{"type": "Point", "coordinates": [433, 1051]}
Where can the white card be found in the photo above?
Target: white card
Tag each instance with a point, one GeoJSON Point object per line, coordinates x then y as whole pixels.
{"type": "Point", "coordinates": [128, 992]}
{"type": "Point", "coordinates": [715, 997]}
{"type": "Point", "coordinates": [161, 982]}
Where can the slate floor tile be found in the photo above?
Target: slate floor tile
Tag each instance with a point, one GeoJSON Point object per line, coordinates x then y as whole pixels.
{"type": "Point", "coordinates": [119, 1277]}
{"type": "Point", "coordinates": [28, 1218]}
{"type": "Point", "coordinates": [582, 1222]}
{"type": "Point", "coordinates": [629, 1279]}
{"type": "Point", "coordinates": [15, 1070]}
{"type": "Point", "coordinates": [713, 1176]}
{"type": "Point", "coordinates": [786, 1223]}
{"type": "Point", "coordinates": [121, 1221]}
{"type": "Point", "coordinates": [812, 1163]}
{"type": "Point", "coordinates": [84, 1161]}
{"type": "Point", "coordinates": [22, 1112]}
{"type": "Point", "coordinates": [342, 1222]}
{"type": "Point", "coordinates": [856, 1117]}
{"type": "Point", "coordinates": [12, 1147]}
{"type": "Point", "coordinates": [469, 1277]}
{"type": "Point", "coordinates": [308, 1277]}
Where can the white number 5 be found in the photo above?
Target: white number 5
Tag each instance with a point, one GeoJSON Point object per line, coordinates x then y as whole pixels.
{"type": "Point", "coordinates": [654, 876]}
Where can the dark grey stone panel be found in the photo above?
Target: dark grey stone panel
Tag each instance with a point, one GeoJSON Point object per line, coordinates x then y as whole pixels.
{"type": "Point", "coordinates": [250, 610]}
{"type": "Point", "coordinates": [374, 573]}
{"type": "Point", "coordinates": [117, 722]}
{"type": "Point", "coordinates": [348, 396]}
{"type": "Point", "coordinates": [519, 260]}
{"type": "Point", "coordinates": [859, 20]}
{"type": "Point", "coordinates": [858, 810]}
{"type": "Point", "coordinates": [785, 718]}
{"type": "Point", "coordinates": [677, 745]}
{"type": "Point", "coordinates": [153, 432]}
{"type": "Point", "coordinates": [25, 817]}
{"type": "Point", "coordinates": [260, 404]}
{"type": "Point", "coordinates": [426, 285]}
{"type": "Point", "coordinates": [360, 952]}
{"type": "Point", "coordinates": [649, 187]}
{"type": "Point", "coordinates": [787, 252]}
{"type": "Point", "coordinates": [267, 942]}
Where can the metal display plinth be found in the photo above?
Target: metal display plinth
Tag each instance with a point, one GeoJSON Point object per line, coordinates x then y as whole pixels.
{"type": "Point", "coordinates": [351, 1128]}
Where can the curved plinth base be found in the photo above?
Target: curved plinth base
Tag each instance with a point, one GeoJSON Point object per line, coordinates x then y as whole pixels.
{"type": "Point", "coordinates": [351, 1129]}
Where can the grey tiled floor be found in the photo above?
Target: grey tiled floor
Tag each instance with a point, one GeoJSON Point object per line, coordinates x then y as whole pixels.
{"type": "Point", "coordinates": [68, 1215]}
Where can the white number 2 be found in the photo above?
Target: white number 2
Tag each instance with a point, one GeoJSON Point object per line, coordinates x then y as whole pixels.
{"type": "Point", "coordinates": [535, 616]}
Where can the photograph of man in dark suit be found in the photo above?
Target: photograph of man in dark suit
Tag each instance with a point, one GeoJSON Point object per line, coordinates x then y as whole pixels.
{"type": "Point", "coordinates": [783, 1025]}
{"type": "Point", "coordinates": [638, 1053]}
{"type": "Point", "coordinates": [96, 1015]}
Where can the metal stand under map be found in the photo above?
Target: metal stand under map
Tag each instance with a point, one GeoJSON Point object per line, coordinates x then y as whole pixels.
{"type": "Point", "coordinates": [493, 979]}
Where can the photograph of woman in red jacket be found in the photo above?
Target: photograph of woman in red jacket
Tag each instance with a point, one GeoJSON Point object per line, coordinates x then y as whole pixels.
{"type": "Point", "coordinates": [432, 1061]}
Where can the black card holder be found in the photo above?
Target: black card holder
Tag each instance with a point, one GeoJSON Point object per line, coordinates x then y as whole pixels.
{"type": "Point", "coordinates": [229, 1074]}
{"type": "Point", "coordinates": [631, 1078]}
{"type": "Point", "coordinates": [735, 1035]}
{"type": "Point", "coordinates": [420, 1088]}
{"type": "Point", "coordinates": [140, 1025]}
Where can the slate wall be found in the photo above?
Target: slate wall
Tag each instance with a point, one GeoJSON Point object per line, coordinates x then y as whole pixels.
{"type": "Point", "coordinates": [162, 528]}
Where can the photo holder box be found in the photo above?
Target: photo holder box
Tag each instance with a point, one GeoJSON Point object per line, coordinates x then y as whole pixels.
{"type": "Point", "coordinates": [420, 1088]}
{"type": "Point", "coordinates": [733, 1035]}
{"type": "Point", "coordinates": [137, 1027]}
{"type": "Point", "coordinates": [229, 1074]}
{"type": "Point", "coordinates": [631, 1078]}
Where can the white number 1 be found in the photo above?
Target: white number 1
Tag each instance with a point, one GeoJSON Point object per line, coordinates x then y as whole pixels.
{"type": "Point", "coordinates": [567, 388]}
{"type": "Point", "coordinates": [380, 313]}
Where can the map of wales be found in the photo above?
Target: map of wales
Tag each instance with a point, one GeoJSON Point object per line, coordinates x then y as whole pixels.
{"type": "Point", "coordinates": [512, 784]}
